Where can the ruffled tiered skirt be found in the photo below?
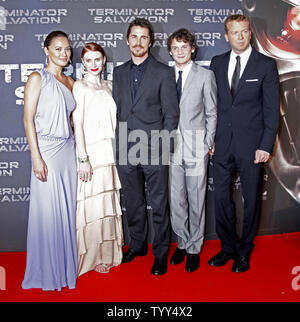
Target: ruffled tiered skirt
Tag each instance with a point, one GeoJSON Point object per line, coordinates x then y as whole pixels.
{"type": "Point", "coordinates": [99, 215]}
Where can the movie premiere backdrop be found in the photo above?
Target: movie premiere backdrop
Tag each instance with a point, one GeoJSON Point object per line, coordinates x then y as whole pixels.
{"type": "Point", "coordinates": [24, 25]}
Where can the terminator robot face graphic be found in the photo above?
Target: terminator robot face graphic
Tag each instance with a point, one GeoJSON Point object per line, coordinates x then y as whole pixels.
{"type": "Point", "coordinates": [276, 33]}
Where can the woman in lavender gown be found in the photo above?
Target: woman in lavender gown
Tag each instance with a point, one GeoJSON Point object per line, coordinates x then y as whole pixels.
{"type": "Point", "coordinates": [51, 237]}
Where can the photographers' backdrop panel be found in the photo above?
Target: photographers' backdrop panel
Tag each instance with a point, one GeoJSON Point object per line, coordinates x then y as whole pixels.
{"type": "Point", "coordinates": [24, 26]}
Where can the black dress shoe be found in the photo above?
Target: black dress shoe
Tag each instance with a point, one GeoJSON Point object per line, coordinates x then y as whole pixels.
{"type": "Point", "coordinates": [221, 259]}
{"type": "Point", "coordinates": [192, 262]}
{"type": "Point", "coordinates": [160, 266]}
{"type": "Point", "coordinates": [178, 256]}
{"type": "Point", "coordinates": [132, 254]}
{"type": "Point", "coordinates": [241, 264]}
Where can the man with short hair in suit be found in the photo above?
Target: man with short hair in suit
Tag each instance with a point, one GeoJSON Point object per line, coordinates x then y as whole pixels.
{"type": "Point", "coordinates": [145, 94]}
{"type": "Point", "coordinates": [248, 118]}
{"type": "Point", "coordinates": [197, 94]}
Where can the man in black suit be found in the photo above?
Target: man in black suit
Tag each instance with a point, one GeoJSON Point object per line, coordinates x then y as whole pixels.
{"type": "Point", "coordinates": [248, 118]}
{"type": "Point", "coordinates": [145, 94]}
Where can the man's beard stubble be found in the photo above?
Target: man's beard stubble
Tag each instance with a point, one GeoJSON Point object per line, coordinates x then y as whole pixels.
{"type": "Point", "coordinates": [139, 53]}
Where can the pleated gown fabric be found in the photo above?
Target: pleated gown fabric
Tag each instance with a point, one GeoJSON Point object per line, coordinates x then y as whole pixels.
{"type": "Point", "coordinates": [99, 215]}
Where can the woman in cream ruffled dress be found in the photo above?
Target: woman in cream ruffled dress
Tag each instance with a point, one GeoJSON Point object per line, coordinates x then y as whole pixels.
{"type": "Point", "coordinates": [98, 218]}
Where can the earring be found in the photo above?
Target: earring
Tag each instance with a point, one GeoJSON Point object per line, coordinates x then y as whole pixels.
{"type": "Point", "coordinates": [46, 62]}
{"type": "Point", "coordinates": [70, 61]}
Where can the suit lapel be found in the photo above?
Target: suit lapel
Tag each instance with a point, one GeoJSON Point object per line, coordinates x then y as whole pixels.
{"type": "Point", "coordinates": [247, 70]}
{"type": "Point", "coordinates": [225, 66]}
{"type": "Point", "coordinates": [126, 90]}
{"type": "Point", "coordinates": [126, 83]}
{"type": "Point", "coordinates": [189, 81]}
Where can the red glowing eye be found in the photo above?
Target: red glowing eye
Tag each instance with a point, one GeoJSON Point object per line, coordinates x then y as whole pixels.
{"type": "Point", "coordinates": [289, 38]}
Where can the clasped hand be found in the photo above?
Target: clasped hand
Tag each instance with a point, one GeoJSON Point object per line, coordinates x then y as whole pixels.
{"type": "Point", "coordinates": [260, 155]}
{"type": "Point", "coordinates": [85, 171]}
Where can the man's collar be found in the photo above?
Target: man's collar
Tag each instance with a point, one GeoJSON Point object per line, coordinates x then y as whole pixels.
{"type": "Point", "coordinates": [141, 65]}
{"type": "Point", "coordinates": [185, 68]}
{"type": "Point", "coordinates": [245, 53]}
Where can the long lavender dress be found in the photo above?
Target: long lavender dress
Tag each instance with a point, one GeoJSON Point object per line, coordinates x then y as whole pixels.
{"type": "Point", "coordinates": [51, 237]}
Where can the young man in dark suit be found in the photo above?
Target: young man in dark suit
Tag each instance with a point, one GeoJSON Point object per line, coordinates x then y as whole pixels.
{"type": "Point", "coordinates": [248, 117]}
{"type": "Point", "coordinates": [145, 94]}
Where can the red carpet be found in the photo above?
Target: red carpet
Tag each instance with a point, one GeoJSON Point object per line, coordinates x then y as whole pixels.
{"type": "Point", "coordinates": [268, 280]}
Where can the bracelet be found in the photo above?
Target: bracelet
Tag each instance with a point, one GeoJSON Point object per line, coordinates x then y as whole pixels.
{"type": "Point", "coordinates": [83, 159]}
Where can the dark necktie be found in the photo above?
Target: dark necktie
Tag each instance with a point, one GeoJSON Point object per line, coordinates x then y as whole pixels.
{"type": "Point", "coordinates": [236, 75]}
{"type": "Point", "coordinates": [179, 85]}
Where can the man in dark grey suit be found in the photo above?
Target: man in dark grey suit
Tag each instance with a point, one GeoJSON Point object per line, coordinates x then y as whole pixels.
{"type": "Point", "coordinates": [145, 93]}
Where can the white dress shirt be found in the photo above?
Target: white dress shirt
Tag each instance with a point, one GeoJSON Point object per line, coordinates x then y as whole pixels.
{"type": "Point", "coordinates": [232, 62]}
{"type": "Point", "coordinates": [185, 71]}
{"type": "Point", "coordinates": [184, 75]}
